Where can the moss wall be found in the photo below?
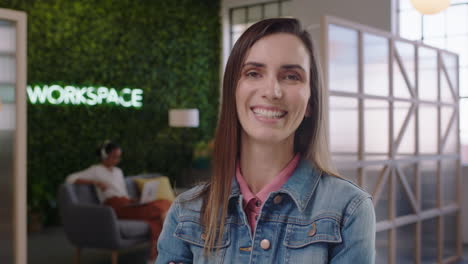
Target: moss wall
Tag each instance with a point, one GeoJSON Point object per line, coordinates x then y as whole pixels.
{"type": "Point", "coordinates": [170, 49]}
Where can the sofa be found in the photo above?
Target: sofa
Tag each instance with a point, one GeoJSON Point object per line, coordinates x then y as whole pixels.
{"type": "Point", "coordinates": [89, 224]}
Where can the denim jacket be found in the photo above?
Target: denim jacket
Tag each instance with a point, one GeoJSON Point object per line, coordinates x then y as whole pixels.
{"type": "Point", "coordinates": [314, 218]}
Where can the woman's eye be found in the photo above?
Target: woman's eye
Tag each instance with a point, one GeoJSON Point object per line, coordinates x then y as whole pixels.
{"type": "Point", "coordinates": [253, 74]}
{"type": "Point", "coordinates": [292, 77]}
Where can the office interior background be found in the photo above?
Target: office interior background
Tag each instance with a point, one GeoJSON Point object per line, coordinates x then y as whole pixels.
{"type": "Point", "coordinates": [397, 108]}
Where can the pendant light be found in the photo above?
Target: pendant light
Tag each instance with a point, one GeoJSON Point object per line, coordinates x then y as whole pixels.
{"type": "Point", "coordinates": [429, 7]}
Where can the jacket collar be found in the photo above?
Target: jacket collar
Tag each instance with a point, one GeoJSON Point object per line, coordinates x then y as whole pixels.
{"type": "Point", "coordinates": [300, 186]}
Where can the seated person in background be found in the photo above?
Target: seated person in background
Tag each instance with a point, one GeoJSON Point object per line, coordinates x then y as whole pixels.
{"type": "Point", "coordinates": [112, 191]}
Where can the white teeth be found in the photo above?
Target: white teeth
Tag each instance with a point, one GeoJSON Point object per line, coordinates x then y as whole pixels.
{"type": "Point", "coordinates": [268, 113]}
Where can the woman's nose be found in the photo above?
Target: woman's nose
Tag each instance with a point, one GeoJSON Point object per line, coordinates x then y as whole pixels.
{"type": "Point", "coordinates": [272, 89]}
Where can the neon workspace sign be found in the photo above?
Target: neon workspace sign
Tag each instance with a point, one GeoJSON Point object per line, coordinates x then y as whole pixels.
{"type": "Point", "coordinates": [71, 95]}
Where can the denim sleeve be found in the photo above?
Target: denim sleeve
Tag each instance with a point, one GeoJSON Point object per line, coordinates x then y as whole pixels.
{"type": "Point", "coordinates": [171, 248]}
{"type": "Point", "coordinates": [358, 234]}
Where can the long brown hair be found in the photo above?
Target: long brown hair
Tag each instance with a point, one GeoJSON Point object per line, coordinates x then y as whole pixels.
{"type": "Point", "coordinates": [309, 140]}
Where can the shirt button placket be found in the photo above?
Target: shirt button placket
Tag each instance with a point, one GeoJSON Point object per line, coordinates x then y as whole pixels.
{"type": "Point", "coordinates": [258, 203]}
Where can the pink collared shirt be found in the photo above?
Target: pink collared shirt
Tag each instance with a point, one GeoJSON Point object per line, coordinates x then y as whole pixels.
{"type": "Point", "coordinates": [252, 203]}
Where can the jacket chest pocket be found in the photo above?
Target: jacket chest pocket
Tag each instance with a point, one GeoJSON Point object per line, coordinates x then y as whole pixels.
{"type": "Point", "coordinates": [310, 242]}
{"type": "Point", "coordinates": [193, 233]}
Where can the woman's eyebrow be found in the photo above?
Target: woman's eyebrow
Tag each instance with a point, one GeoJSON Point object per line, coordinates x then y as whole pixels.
{"type": "Point", "coordinates": [292, 66]}
{"type": "Point", "coordinates": [285, 66]}
{"type": "Point", "coordinates": [255, 64]}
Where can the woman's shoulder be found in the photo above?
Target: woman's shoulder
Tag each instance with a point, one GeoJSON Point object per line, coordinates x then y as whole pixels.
{"type": "Point", "coordinates": [95, 167]}
{"type": "Point", "coordinates": [340, 193]}
{"type": "Point", "coordinates": [343, 185]}
{"type": "Point", "coordinates": [192, 199]}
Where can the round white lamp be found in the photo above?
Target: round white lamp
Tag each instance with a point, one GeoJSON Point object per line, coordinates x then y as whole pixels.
{"type": "Point", "coordinates": [183, 118]}
{"type": "Point", "coordinates": [429, 7]}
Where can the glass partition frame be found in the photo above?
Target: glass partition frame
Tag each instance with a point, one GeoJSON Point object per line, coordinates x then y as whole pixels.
{"type": "Point", "coordinates": [390, 166]}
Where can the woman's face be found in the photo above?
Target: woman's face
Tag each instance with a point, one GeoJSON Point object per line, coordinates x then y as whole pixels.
{"type": "Point", "coordinates": [113, 158]}
{"type": "Point", "coordinates": [273, 90]}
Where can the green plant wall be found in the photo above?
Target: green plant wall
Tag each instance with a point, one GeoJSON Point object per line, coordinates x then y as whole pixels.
{"type": "Point", "coordinates": [170, 49]}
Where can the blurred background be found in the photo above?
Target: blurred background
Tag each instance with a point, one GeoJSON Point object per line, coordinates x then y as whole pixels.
{"type": "Point", "coordinates": [395, 71]}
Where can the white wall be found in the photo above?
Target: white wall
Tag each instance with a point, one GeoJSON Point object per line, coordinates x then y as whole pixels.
{"type": "Point", "coordinates": [374, 13]}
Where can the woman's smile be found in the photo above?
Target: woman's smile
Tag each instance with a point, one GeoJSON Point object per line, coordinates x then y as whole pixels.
{"type": "Point", "coordinates": [269, 115]}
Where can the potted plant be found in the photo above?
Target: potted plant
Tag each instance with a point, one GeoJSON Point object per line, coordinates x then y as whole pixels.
{"type": "Point", "coordinates": [37, 198]}
{"type": "Point", "coordinates": [35, 217]}
{"type": "Point", "coordinates": [202, 153]}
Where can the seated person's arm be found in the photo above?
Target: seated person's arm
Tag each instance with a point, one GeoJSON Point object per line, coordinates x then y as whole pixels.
{"type": "Point", "coordinates": [85, 177]}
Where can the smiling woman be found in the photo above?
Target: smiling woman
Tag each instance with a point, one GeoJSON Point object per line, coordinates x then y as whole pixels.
{"type": "Point", "coordinates": [274, 196]}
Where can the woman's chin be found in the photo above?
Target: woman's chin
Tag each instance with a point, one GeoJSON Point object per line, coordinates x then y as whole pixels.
{"type": "Point", "coordinates": [272, 139]}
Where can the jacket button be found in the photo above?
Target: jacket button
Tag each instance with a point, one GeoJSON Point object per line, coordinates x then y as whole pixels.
{"type": "Point", "coordinates": [313, 230]}
{"type": "Point", "coordinates": [265, 244]}
{"type": "Point", "coordinates": [278, 199]}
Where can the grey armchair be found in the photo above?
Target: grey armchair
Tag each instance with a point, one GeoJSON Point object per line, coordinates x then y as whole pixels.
{"type": "Point", "coordinates": [89, 224]}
